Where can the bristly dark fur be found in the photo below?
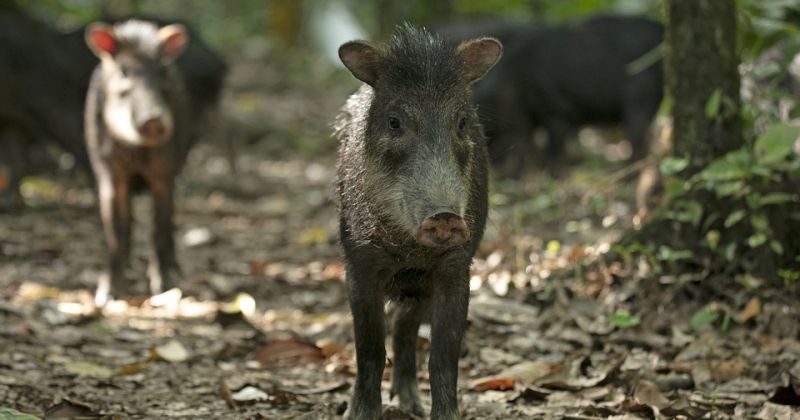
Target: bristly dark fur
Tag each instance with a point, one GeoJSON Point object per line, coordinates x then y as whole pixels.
{"type": "Point", "coordinates": [385, 177]}
{"type": "Point", "coordinates": [416, 57]}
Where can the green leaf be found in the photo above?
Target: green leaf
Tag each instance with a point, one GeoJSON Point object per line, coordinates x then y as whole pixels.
{"type": "Point", "coordinates": [734, 218]}
{"type": "Point", "coordinates": [675, 187]}
{"type": "Point", "coordinates": [726, 189]}
{"type": "Point", "coordinates": [11, 414]}
{"type": "Point", "coordinates": [726, 323]}
{"type": "Point", "coordinates": [687, 211]}
{"type": "Point", "coordinates": [730, 251]}
{"type": "Point", "coordinates": [623, 319]}
{"type": "Point", "coordinates": [703, 318]}
{"type": "Point", "coordinates": [723, 169]}
{"type": "Point", "coordinates": [712, 105]}
{"type": "Point", "coordinates": [671, 165]}
{"type": "Point", "coordinates": [668, 254]}
{"type": "Point", "coordinates": [776, 143]}
{"type": "Point", "coordinates": [776, 247]}
{"type": "Point", "coordinates": [712, 237]}
{"type": "Point", "coordinates": [756, 240]}
{"type": "Point", "coordinates": [777, 198]}
{"type": "Point", "coordinates": [760, 223]}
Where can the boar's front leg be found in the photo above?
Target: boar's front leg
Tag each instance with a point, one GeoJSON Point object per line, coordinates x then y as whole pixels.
{"type": "Point", "coordinates": [163, 265]}
{"type": "Point", "coordinates": [115, 212]}
{"type": "Point", "coordinates": [448, 322]}
{"type": "Point", "coordinates": [407, 319]}
{"type": "Point", "coordinates": [366, 303]}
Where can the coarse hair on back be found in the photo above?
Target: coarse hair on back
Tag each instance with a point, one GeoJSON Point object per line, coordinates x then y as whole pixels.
{"type": "Point", "coordinates": [414, 56]}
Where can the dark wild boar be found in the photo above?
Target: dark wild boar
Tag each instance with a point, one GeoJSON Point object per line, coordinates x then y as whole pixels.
{"type": "Point", "coordinates": [412, 189]}
{"type": "Point", "coordinates": [136, 133]}
{"type": "Point", "coordinates": [563, 77]}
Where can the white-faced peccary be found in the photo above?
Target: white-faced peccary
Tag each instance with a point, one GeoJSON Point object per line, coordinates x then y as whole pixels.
{"type": "Point", "coordinates": [412, 189]}
{"type": "Point", "coordinates": [136, 133]}
{"type": "Point", "coordinates": [42, 95]}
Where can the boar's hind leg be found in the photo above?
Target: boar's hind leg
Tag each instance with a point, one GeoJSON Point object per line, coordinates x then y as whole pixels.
{"type": "Point", "coordinates": [448, 322]}
{"type": "Point", "coordinates": [407, 319]}
{"type": "Point", "coordinates": [163, 265]}
{"type": "Point", "coordinates": [366, 304]}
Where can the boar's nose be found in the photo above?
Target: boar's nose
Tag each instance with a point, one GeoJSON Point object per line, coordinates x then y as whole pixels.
{"type": "Point", "coordinates": [443, 230]}
{"type": "Point", "coordinates": [153, 128]}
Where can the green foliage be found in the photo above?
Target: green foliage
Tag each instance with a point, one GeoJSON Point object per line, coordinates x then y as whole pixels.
{"type": "Point", "coordinates": [741, 206]}
{"type": "Point", "coordinates": [713, 104]}
{"type": "Point", "coordinates": [489, 6]}
{"type": "Point", "coordinates": [762, 23]}
{"type": "Point", "coordinates": [565, 9]}
{"type": "Point", "coordinates": [704, 318]}
{"type": "Point", "coordinates": [11, 414]}
{"type": "Point", "coordinates": [623, 319]}
{"type": "Point", "coordinates": [776, 143]}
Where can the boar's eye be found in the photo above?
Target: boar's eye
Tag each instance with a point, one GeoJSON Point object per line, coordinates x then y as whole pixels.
{"type": "Point", "coordinates": [462, 123]}
{"type": "Point", "coordinates": [394, 123]}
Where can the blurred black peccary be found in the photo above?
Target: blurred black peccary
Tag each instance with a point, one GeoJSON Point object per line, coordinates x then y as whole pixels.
{"type": "Point", "coordinates": [44, 75]}
{"type": "Point", "coordinates": [137, 130]}
{"type": "Point", "coordinates": [563, 77]}
{"type": "Point", "coordinates": [412, 190]}
{"type": "Point", "coordinates": [41, 101]}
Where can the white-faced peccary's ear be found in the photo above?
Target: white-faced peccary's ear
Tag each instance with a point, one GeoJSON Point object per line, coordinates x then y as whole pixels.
{"type": "Point", "coordinates": [101, 39]}
{"type": "Point", "coordinates": [173, 39]}
{"type": "Point", "coordinates": [361, 59]}
{"type": "Point", "coordinates": [478, 57]}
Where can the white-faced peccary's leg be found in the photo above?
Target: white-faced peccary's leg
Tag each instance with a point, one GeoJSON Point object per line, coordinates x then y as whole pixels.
{"type": "Point", "coordinates": [115, 211]}
{"type": "Point", "coordinates": [163, 264]}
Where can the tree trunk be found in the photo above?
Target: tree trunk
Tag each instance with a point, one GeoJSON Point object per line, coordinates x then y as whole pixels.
{"type": "Point", "coordinates": [701, 58]}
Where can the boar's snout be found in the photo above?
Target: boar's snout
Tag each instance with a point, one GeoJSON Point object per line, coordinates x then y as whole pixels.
{"type": "Point", "coordinates": [154, 130]}
{"type": "Point", "coordinates": [442, 230]}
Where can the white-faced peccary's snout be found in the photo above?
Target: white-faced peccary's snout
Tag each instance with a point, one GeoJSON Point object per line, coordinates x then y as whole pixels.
{"type": "Point", "coordinates": [154, 129]}
{"type": "Point", "coordinates": [443, 230]}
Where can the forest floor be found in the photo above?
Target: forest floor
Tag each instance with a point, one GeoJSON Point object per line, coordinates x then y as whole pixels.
{"type": "Point", "coordinates": [260, 327]}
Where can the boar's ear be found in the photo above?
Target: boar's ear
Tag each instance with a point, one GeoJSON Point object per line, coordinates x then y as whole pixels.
{"type": "Point", "coordinates": [173, 40]}
{"type": "Point", "coordinates": [478, 57]}
{"type": "Point", "coordinates": [361, 59]}
{"type": "Point", "coordinates": [101, 39]}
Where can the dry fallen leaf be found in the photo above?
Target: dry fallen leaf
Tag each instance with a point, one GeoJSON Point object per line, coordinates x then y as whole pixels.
{"type": "Point", "coordinates": [727, 370]}
{"type": "Point", "coordinates": [68, 409]}
{"type": "Point", "coordinates": [132, 369]}
{"type": "Point", "coordinates": [525, 373]}
{"type": "Point", "coordinates": [172, 351]}
{"type": "Point", "coordinates": [249, 394]}
{"type": "Point", "coordinates": [82, 368]}
{"type": "Point", "coordinates": [499, 384]}
{"type": "Point", "coordinates": [286, 352]}
{"type": "Point", "coordinates": [648, 393]}
{"type": "Point", "coordinates": [751, 310]}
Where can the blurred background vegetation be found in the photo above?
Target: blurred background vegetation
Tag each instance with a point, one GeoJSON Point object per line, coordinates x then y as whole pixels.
{"type": "Point", "coordinates": [298, 39]}
{"type": "Point", "coordinates": [289, 22]}
{"type": "Point", "coordinates": [286, 82]}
